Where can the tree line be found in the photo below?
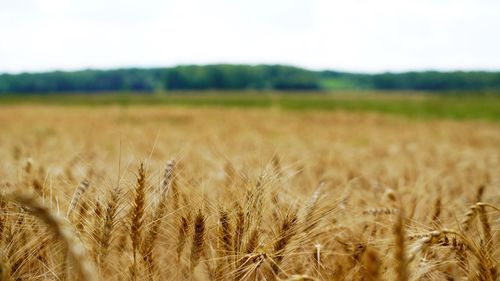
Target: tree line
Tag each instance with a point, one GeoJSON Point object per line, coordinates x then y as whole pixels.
{"type": "Point", "coordinates": [240, 77]}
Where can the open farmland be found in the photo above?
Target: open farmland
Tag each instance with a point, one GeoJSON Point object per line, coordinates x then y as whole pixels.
{"type": "Point", "coordinates": [130, 191]}
{"type": "Point", "coordinates": [420, 105]}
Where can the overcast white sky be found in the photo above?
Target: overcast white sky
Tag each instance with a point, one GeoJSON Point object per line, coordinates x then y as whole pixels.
{"type": "Point", "coordinates": [352, 35]}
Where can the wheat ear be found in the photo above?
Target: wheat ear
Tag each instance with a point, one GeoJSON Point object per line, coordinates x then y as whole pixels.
{"type": "Point", "coordinates": [61, 227]}
{"type": "Point", "coordinates": [79, 191]}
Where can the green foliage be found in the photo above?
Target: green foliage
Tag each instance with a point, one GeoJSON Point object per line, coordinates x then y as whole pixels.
{"type": "Point", "coordinates": [432, 80]}
{"type": "Point", "coordinates": [191, 77]}
{"type": "Point", "coordinates": [426, 81]}
{"type": "Point", "coordinates": [468, 105]}
{"type": "Point", "coordinates": [240, 77]}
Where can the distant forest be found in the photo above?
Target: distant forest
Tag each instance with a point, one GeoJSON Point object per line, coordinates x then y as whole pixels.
{"type": "Point", "coordinates": [241, 77]}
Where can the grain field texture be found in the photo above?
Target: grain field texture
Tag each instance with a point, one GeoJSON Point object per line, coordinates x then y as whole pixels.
{"type": "Point", "coordinates": [181, 193]}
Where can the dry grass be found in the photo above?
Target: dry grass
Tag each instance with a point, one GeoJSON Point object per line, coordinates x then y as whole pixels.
{"type": "Point", "coordinates": [94, 194]}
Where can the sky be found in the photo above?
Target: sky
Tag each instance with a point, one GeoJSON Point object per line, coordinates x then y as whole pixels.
{"type": "Point", "coordinates": [350, 35]}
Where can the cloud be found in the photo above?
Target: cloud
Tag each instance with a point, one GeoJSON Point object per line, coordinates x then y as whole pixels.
{"type": "Point", "coordinates": [357, 35]}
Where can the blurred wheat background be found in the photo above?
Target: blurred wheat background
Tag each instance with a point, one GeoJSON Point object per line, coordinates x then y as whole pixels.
{"type": "Point", "coordinates": [210, 193]}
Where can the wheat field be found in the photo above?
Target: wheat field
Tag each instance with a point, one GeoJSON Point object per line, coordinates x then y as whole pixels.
{"type": "Point", "coordinates": [180, 193]}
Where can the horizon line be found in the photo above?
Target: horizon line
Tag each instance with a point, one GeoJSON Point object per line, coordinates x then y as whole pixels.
{"type": "Point", "coordinates": [144, 67]}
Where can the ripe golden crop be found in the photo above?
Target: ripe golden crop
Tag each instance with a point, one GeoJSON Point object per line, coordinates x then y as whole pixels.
{"type": "Point", "coordinates": [167, 193]}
